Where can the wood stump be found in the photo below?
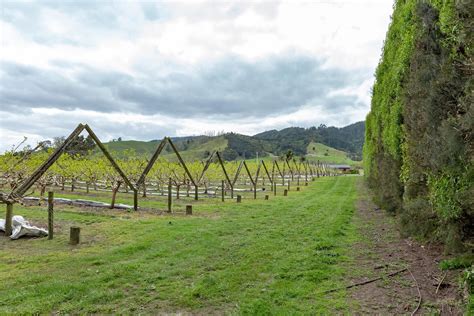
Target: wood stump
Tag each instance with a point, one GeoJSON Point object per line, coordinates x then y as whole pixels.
{"type": "Point", "coordinates": [74, 235]}
{"type": "Point", "coordinates": [189, 210]}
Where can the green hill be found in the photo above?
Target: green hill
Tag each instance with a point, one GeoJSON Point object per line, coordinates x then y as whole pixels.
{"type": "Point", "coordinates": [323, 153]}
{"type": "Point", "coordinates": [331, 144]}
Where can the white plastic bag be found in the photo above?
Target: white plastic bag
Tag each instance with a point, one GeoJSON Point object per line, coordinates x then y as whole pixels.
{"type": "Point", "coordinates": [21, 227]}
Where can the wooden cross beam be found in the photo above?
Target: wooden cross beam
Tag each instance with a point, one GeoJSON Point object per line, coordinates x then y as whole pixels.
{"type": "Point", "coordinates": [206, 166]}
{"type": "Point", "coordinates": [181, 161]}
{"type": "Point", "coordinates": [28, 183]}
{"type": "Point", "coordinates": [278, 168]}
{"type": "Point", "coordinates": [150, 164]}
{"type": "Point", "coordinates": [109, 158]}
{"type": "Point", "coordinates": [237, 173]}
{"type": "Point", "coordinates": [266, 170]}
{"type": "Point", "coordinates": [223, 169]}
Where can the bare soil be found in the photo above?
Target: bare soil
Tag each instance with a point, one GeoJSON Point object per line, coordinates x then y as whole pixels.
{"type": "Point", "coordinates": [384, 251]}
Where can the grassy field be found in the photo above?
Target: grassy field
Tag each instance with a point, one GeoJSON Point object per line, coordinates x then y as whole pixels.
{"type": "Point", "coordinates": [256, 257]}
{"type": "Point", "coordinates": [323, 153]}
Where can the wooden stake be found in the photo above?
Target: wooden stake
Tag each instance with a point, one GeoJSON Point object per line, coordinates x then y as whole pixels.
{"type": "Point", "coordinates": [285, 192]}
{"type": "Point", "coordinates": [50, 215]}
{"type": "Point", "coordinates": [189, 210]}
{"type": "Point", "coordinates": [223, 190]}
{"type": "Point", "coordinates": [297, 188]}
{"type": "Point", "coordinates": [169, 196]}
{"type": "Point", "coordinates": [239, 198]}
{"type": "Point", "coordinates": [135, 199]}
{"type": "Point", "coordinates": [266, 197]}
{"type": "Point", "coordinates": [74, 235]}
{"type": "Point", "coordinates": [8, 219]}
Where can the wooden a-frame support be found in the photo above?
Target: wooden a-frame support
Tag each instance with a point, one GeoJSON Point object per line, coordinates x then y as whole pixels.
{"type": "Point", "coordinates": [231, 184]}
{"type": "Point", "coordinates": [155, 156]}
{"type": "Point", "coordinates": [18, 192]}
{"type": "Point", "coordinates": [254, 181]}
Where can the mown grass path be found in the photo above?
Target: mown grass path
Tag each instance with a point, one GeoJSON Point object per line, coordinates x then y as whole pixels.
{"type": "Point", "coordinates": [260, 256]}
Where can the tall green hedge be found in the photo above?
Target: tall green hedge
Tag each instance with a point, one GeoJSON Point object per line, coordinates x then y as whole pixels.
{"type": "Point", "coordinates": [418, 151]}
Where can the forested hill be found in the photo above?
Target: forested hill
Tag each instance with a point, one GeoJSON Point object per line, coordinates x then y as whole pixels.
{"type": "Point", "coordinates": [347, 139]}
{"type": "Point", "coordinates": [418, 153]}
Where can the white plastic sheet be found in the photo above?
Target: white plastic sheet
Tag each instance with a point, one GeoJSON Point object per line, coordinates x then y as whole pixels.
{"type": "Point", "coordinates": [21, 227]}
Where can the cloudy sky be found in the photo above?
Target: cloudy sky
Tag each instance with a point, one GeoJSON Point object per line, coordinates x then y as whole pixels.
{"type": "Point", "coordinates": [146, 69]}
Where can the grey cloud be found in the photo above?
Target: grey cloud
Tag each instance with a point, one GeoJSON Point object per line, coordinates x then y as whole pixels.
{"type": "Point", "coordinates": [230, 87]}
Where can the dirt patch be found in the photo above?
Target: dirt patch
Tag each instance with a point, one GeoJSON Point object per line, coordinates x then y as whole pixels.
{"type": "Point", "coordinates": [383, 251]}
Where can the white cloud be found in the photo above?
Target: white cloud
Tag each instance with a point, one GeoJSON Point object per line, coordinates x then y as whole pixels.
{"type": "Point", "coordinates": [161, 45]}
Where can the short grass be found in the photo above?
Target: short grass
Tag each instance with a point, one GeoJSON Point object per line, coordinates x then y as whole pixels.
{"type": "Point", "coordinates": [323, 153]}
{"type": "Point", "coordinates": [257, 257]}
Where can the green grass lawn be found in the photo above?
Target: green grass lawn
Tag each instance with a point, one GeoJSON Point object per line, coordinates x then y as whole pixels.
{"type": "Point", "coordinates": [257, 257]}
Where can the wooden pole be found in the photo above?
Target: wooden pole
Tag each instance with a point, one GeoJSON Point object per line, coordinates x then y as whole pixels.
{"type": "Point", "coordinates": [285, 192]}
{"type": "Point", "coordinates": [74, 235]}
{"type": "Point", "coordinates": [135, 199]}
{"type": "Point", "coordinates": [169, 196]}
{"type": "Point", "coordinates": [223, 190]}
{"type": "Point", "coordinates": [8, 219]}
{"type": "Point", "coordinates": [239, 198]}
{"type": "Point", "coordinates": [50, 215]}
{"type": "Point", "coordinates": [266, 197]}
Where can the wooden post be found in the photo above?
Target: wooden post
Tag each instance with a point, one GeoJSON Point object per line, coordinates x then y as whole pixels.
{"type": "Point", "coordinates": [189, 210]}
{"type": "Point", "coordinates": [74, 235]}
{"type": "Point", "coordinates": [266, 197]}
{"type": "Point", "coordinates": [239, 198]}
{"type": "Point", "coordinates": [50, 215]}
{"type": "Point", "coordinates": [306, 184]}
{"type": "Point", "coordinates": [135, 200]}
{"type": "Point", "coordinates": [223, 190]}
{"type": "Point", "coordinates": [8, 219]}
{"type": "Point", "coordinates": [274, 188]}
{"type": "Point", "coordinates": [169, 196]}
{"type": "Point", "coordinates": [196, 194]}
{"type": "Point", "coordinates": [285, 192]}
{"type": "Point", "coordinates": [297, 188]}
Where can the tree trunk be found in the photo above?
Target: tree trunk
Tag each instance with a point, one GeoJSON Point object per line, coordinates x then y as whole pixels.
{"type": "Point", "coordinates": [114, 195]}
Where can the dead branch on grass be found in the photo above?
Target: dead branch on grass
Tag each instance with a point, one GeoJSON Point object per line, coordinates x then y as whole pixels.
{"type": "Point", "coordinates": [365, 282]}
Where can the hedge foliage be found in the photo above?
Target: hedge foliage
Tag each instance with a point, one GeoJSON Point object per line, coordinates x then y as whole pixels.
{"type": "Point", "coordinates": [418, 151]}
